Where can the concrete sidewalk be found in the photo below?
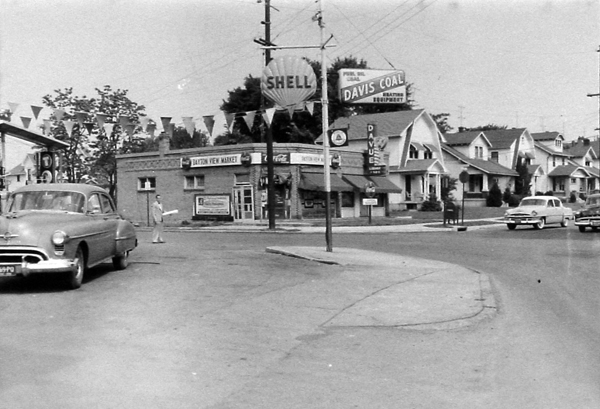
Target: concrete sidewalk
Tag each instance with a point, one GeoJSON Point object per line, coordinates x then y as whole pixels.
{"type": "Point", "coordinates": [404, 291]}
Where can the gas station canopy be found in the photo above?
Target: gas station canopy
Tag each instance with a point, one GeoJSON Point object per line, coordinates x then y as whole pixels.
{"type": "Point", "coordinates": [7, 128]}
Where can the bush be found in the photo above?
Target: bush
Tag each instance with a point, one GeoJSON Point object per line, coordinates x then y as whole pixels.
{"type": "Point", "coordinates": [549, 193]}
{"type": "Point", "coordinates": [494, 198]}
{"type": "Point", "coordinates": [506, 195]}
{"type": "Point", "coordinates": [514, 200]}
{"type": "Point", "coordinates": [572, 197]}
{"type": "Point", "coordinates": [582, 196]}
{"type": "Point", "coordinates": [431, 204]}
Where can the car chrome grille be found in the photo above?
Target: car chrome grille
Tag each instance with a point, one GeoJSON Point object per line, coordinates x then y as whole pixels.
{"type": "Point", "coordinates": [17, 256]}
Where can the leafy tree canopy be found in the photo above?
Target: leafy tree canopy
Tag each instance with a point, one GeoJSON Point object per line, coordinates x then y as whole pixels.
{"type": "Point", "coordinates": [302, 127]}
{"type": "Point", "coordinates": [442, 122]}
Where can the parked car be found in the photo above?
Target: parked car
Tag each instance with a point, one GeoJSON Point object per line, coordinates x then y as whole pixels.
{"type": "Point", "coordinates": [538, 211]}
{"type": "Point", "coordinates": [589, 216]}
{"type": "Point", "coordinates": [62, 228]}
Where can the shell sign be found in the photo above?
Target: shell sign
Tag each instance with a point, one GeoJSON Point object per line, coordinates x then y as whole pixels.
{"type": "Point", "coordinates": [288, 81]}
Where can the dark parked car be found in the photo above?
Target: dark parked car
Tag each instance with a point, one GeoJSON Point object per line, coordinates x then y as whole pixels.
{"type": "Point", "coordinates": [62, 228]}
{"type": "Point", "coordinates": [589, 216]}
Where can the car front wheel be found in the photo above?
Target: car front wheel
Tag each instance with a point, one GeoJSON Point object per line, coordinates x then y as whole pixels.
{"type": "Point", "coordinates": [75, 278]}
{"type": "Point", "coordinates": [120, 261]}
{"type": "Point", "coordinates": [540, 225]}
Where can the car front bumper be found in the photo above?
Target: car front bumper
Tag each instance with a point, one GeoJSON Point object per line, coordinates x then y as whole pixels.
{"type": "Point", "coordinates": [588, 222]}
{"type": "Point", "coordinates": [30, 260]}
{"type": "Point", "coordinates": [522, 220]}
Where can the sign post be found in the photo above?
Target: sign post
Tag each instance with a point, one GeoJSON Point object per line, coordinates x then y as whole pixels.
{"type": "Point", "coordinates": [370, 201]}
{"type": "Point", "coordinates": [464, 178]}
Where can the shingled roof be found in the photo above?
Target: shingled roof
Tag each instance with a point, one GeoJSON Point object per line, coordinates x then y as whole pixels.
{"type": "Point", "coordinates": [462, 138]}
{"type": "Point", "coordinates": [487, 166]}
{"type": "Point", "coordinates": [503, 138]}
{"type": "Point", "coordinates": [388, 123]}
{"type": "Point", "coordinates": [546, 136]}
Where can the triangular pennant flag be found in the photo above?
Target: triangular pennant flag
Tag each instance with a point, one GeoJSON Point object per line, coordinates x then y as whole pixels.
{"type": "Point", "coordinates": [47, 126]}
{"type": "Point", "coordinates": [249, 119]}
{"type": "Point", "coordinates": [229, 119]}
{"type": "Point", "coordinates": [89, 126]}
{"type": "Point", "coordinates": [268, 115]}
{"type": "Point", "coordinates": [209, 121]}
{"type": "Point", "coordinates": [36, 111]}
{"type": "Point", "coordinates": [151, 128]}
{"type": "Point", "coordinates": [165, 120]}
{"type": "Point", "coordinates": [81, 117]}
{"type": "Point", "coordinates": [171, 130]}
{"type": "Point", "coordinates": [58, 113]}
{"type": "Point", "coordinates": [129, 129]}
{"type": "Point", "coordinates": [190, 126]}
{"type": "Point", "coordinates": [310, 106]}
{"type": "Point", "coordinates": [144, 122]}
{"type": "Point", "coordinates": [13, 106]}
{"type": "Point", "coordinates": [101, 119]}
{"type": "Point", "coordinates": [108, 128]}
{"type": "Point", "coordinates": [123, 121]}
{"type": "Point", "coordinates": [26, 121]}
{"type": "Point", "coordinates": [69, 126]}
{"type": "Point", "coordinates": [187, 119]}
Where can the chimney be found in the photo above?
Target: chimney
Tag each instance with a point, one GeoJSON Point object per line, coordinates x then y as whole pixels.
{"type": "Point", "coordinates": [164, 144]}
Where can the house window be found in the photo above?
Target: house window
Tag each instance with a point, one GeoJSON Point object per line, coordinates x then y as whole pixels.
{"type": "Point", "coordinates": [557, 143]}
{"type": "Point", "coordinates": [495, 156]}
{"type": "Point", "coordinates": [146, 183]}
{"type": "Point", "coordinates": [573, 180]}
{"type": "Point", "coordinates": [428, 154]}
{"type": "Point", "coordinates": [563, 161]}
{"type": "Point", "coordinates": [194, 182]}
{"type": "Point", "coordinates": [588, 163]}
{"type": "Point", "coordinates": [553, 161]}
{"type": "Point", "coordinates": [479, 152]}
{"type": "Point", "coordinates": [413, 153]}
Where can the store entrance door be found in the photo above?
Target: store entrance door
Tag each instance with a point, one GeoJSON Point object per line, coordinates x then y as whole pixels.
{"type": "Point", "coordinates": [243, 202]}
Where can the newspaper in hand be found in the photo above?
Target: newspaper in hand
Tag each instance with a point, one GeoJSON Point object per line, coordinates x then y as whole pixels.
{"type": "Point", "coordinates": [170, 212]}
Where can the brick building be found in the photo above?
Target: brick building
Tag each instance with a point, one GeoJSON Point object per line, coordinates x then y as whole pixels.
{"type": "Point", "coordinates": [229, 182]}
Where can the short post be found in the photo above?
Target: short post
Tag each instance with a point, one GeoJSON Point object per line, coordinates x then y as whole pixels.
{"type": "Point", "coordinates": [370, 193]}
{"type": "Point", "coordinates": [464, 178]}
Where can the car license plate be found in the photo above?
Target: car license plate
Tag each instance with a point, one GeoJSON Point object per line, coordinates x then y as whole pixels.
{"type": "Point", "coordinates": [8, 270]}
{"type": "Point", "coordinates": [518, 221]}
{"type": "Point", "coordinates": [595, 223]}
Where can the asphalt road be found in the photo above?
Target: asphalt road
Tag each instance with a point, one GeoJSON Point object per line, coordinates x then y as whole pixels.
{"type": "Point", "coordinates": [210, 320]}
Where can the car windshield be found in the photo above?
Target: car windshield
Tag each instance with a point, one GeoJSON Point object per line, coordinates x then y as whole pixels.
{"type": "Point", "coordinates": [593, 201]}
{"type": "Point", "coordinates": [533, 202]}
{"type": "Point", "coordinates": [47, 200]}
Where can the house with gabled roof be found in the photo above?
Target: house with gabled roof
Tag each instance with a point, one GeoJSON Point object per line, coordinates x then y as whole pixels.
{"type": "Point", "coordinates": [470, 151]}
{"type": "Point", "coordinates": [551, 170]}
{"type": "Point", "coordinates": [22, 174]}
{"type": "Point", "coordinates": [409, 140]}
{"type": "Point", "coordinates": [584, 152]}
{"type": "Point", "coordinates": [511, 145]}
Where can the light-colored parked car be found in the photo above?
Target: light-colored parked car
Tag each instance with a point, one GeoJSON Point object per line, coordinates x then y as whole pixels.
{"type": "Point", "coordinates": [62, 228]}
{"type": "Point", "coordinates": [538, 211]}
{"type": "Point", "coordinates": [589, 216]}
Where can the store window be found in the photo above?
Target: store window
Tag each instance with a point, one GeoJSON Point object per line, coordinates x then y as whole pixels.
{"type": "Point", "coordinates": [347, 199]}
{"type": "Point", "coordinates": [242, 178]}
{"type": "Point", "coordinates": [146, 183]}
{"type": "Point", "coordinates": [194, 182]}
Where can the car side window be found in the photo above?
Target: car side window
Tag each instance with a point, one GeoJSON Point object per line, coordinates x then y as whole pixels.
{"type": "Point", "coordinates": [107, 206]}
{"type": "Point", "coordinates": [94, 204]}
{"type": "Point", "coordinates": [550, 203]}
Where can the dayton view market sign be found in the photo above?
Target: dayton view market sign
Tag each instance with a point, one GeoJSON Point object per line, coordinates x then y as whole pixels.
{"type": "Point", "coordinates": [358, 86]}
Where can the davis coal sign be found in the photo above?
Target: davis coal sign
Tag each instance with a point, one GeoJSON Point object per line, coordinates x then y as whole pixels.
{"type": "Point", "coordinates": [358, 86]}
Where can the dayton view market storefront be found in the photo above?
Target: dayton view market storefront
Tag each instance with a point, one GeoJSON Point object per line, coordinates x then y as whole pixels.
{"type": "Point", "coordinates": [230, 183]}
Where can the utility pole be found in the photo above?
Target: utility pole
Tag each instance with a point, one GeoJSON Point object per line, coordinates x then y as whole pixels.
{"type": "Point", "coordinates": [325, 126]}
{"type": "Point", "coordinates": [598, 129]}
{"type": "Point", "coordinates": [268, 132]}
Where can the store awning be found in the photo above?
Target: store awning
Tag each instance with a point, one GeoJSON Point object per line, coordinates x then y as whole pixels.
{"type": "Point", "coordinates": [384, 185]}
{"type": "Point", "coordinates": [316, 182]}
{"type": "Point", "coordinates": [358, 181]}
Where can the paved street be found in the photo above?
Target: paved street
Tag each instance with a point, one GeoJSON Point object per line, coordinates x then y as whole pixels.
{"type": "Point", "coordinates": [211, 320]}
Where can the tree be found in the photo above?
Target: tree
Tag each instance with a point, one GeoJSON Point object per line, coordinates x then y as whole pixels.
{"type": "Point", "coordinates": [494, 198]}
{"type": "Point", "coordinates": [488, 127]}
{"type": "Point", "coordinates": [442, 122]}
{"type": "Point", "coordinates": [523, 181]}
{"type": "Point", "coordinates": [94, 156]}
{"type": "Point", "coordinates": [302, 127]}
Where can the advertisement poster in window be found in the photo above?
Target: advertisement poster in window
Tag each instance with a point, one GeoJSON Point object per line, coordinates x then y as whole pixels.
{"type": "Point", "coordinates": [212, 205]}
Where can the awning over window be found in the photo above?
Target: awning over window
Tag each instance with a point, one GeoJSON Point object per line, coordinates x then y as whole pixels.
{"type": "Point", "coordinates": [316, 182]}
{"type": "Point", "coordinates": [358, 181]}
{"type": "Point", "coordinates": [384, 185]}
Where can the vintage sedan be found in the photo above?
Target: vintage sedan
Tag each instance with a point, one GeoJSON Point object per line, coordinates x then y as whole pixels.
{"type": "Point", "coordinates": [589, 216]}
{"type": "Point", "coordinates": [538, 211]}
{"type": "Point", "coordinates": [62, 228]}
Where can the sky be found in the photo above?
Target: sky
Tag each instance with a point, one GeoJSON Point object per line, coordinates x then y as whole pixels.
{"type": "Point", "coordinates": [519, 63]}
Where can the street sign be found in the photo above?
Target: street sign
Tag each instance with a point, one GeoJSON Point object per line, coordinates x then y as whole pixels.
{"type": "Point", "coordinates": [370, 202]}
